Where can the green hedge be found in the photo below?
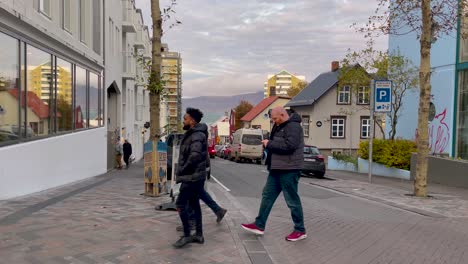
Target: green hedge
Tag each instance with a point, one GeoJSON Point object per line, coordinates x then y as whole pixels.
{"type": "Point", "coordinates": [391, 153]}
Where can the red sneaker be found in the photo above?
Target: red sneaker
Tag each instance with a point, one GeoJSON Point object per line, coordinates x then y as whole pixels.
{"type": "Point", "coordinates": [295, 236]}
{"type": "Point", "coordinates": [253, 228]}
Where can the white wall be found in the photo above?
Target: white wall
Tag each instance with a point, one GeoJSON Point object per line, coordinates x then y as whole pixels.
{"type": "Point", "coordinates": [43, 164]}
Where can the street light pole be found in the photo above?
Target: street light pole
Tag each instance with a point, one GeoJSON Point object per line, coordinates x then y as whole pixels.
{"type": "Point", "coordinates": [371, 127]}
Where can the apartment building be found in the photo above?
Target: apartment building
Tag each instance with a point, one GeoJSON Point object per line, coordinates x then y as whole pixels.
{"type": "Point", "coordinates": [279, 84]}
{"type": "Point", "coordinates": [171, 112]}
{"type": "Point", "coordinates": [70, 85]}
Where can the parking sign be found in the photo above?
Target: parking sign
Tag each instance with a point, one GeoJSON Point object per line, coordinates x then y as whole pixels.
{"type": "Point", "coordinates": [382, 96]}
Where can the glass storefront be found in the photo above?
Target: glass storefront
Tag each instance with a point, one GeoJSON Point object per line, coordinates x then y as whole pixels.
{"type": "Point", "coordinates": [39, 95]}
{"type": "Point", "coordinates": [64, 96]}
{"type": "Point", "coordinates": [42, 95]}
{"type": "Point", "coordinates": [9, 92]}
{"type": "Point", "coordinates": [462, 124]}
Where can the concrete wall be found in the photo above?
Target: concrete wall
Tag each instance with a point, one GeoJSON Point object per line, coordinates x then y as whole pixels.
{"type": "Point", "coordinates": [43, 164]}
{"type": "Point", "coordinates": [444, 171]}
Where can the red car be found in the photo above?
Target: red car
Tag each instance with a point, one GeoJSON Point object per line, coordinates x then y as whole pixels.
{"type": "Point", "coordinates": [211, 149]}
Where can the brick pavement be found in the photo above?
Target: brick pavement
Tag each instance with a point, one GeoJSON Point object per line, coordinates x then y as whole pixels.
{"type": "Point", "coordinates": [106, 220]}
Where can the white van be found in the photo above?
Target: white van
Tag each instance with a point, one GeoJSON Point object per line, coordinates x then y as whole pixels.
{"type": "Point", "coordinates": [247, 145]}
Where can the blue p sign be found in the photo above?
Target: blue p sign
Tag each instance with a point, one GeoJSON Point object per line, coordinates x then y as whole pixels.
{"type": "Point", "coordinates": [383, 95]}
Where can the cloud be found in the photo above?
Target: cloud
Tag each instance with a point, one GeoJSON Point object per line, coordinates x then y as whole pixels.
{"type": "Point", "coordinates": [229, 47]}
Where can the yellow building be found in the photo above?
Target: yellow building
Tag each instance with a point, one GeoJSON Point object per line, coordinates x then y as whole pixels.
{"type": "Point", "coordinates": [172, 76]}
{"type": "Point", "coordinates": [40, 78]}
{"type": "Point", "coordinates": [279, 84]}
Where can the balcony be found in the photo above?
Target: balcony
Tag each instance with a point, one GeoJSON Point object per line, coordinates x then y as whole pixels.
{"type": "Point", "coordinates": [129, 65]}
{"type": "Point", "coordinates": [128, 16]}
{"type": "Point", "coordinates": [139, 40]}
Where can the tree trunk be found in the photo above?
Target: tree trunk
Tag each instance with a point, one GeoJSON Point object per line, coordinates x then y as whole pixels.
{"type": "Point", "coordinates": [155, 75]}
{"type": "Point", "coordinates": [420, 183]}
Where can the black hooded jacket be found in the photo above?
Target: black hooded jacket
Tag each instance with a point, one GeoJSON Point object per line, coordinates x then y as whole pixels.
{"type": "Point", "coordinates": [286, 146]}
{"type": "Point", "coordinates": [193, 155]}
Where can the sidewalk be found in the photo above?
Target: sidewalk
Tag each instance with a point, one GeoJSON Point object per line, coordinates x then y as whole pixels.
{"type": "Point", "coordinates": [444, 202]}
{"type": "Point", "coordinates": [105, 220]}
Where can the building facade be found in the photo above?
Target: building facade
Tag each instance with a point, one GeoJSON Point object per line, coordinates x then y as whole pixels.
{"type": "Point", "coordinates": [67, 90]}
{"type": "Point", "coordinates": [335, 116]}
{"type": "Point", "coordinates": [448, 123]}
{"type": "Point", "coordinates": [279, 84]}
{"type": "Point", "coordinates": [171, 114]}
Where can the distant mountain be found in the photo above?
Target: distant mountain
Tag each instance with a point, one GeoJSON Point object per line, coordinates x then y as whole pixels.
{"type": "Point", "coordinates": [215, 106]}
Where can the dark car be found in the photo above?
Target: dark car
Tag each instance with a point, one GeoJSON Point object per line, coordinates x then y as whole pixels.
{"type": "Point", "coordinates": [313, 162]}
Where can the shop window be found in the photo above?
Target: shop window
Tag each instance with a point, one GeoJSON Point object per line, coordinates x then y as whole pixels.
{"type": "Point", "coordinates": [9, 90]}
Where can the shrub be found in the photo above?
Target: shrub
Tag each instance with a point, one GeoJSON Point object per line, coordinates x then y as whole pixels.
{"type": "Point", "coordinates": [345, 158]}
{"type": "Point", "coordinates": [391, 153]}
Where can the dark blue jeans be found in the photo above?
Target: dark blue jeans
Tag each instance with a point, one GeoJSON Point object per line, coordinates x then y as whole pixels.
{"type": "Point", "coordinates": [285, 181]}
{"type": "Point", "coordinates": [206, 198]}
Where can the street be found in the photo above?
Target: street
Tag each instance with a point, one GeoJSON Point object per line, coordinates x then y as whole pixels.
{"type": "Point", "coordinates": [343, 228]}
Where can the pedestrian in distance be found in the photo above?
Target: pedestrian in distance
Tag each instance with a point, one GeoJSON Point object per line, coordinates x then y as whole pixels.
{"type": "Point", "coordinates": [191, 173]}
{"type": "Point", "coordinates": [118, 153]}
{"type": "Point", "coordinates": [127, 152]}
{"type": "Point", "coordinates": [285, 160]}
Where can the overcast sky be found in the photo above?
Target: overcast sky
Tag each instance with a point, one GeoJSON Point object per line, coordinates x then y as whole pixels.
{"type": "Point", "coordinates": [230, 46]}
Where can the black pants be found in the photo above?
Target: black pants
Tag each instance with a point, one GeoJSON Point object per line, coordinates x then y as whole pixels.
{"type": "Point", "coordinates": [127, 159]}
{"type": "Point", "coordinates": [189, 193]}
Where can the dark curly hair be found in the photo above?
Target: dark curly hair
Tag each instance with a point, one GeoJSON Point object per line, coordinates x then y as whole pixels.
{"type": "Point", "coordinates": [195, 113]}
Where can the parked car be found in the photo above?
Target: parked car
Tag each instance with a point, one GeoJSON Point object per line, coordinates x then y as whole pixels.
{"type": "Point", "coordinates": [247, 145]}
{"type": "Point", "coordinates": [313, 162]}
{"type": "Point", "coordinates": [220, 151]}
{"type": "Point", "coordinates": [227, 152]}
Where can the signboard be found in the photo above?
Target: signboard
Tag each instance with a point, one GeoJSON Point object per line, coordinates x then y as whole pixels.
{"type": "Point", "coordinates": [155, 161]}
{"type": "Point", "coordinates": [382, 96]}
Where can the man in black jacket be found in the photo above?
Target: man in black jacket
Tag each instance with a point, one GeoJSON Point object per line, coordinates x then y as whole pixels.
{"type": "Point", "coordinates": [285, 160]}
{"type": "Point", "coordinates": [127, 151]}
{"type": "Point", "coordinates": [191, 173]}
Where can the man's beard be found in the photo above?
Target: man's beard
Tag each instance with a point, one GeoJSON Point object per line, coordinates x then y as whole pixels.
{"type": "Point", "coordinates": [186, 127]}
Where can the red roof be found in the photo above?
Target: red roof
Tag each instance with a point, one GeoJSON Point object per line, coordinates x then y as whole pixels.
{"type": "Point", "coordinates": [260, 107]}
{"type": "Point", "coordinates": [34, 103]}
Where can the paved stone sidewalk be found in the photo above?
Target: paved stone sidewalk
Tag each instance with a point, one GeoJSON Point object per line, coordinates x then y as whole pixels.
{"type": "Point", "coordinates": [445, 201]}
{"type": "Point", "coordinates": [106, 220]}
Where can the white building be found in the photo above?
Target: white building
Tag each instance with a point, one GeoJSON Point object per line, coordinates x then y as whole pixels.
{"type": "Point", "coordinates": [84, 51]}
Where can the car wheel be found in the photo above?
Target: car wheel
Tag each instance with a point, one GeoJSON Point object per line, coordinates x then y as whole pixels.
{"type": "Point", "coordinates": [259, 161]}
{"type": "Point", "coordinates": [320, 174]}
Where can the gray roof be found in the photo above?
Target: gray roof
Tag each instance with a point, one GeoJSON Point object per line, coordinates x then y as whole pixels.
{"type": "Point", "coordinates": [316, 89]}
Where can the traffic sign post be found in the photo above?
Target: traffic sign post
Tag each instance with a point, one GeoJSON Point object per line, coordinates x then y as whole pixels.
{"type": "Point", "coordinates": [381, 102]}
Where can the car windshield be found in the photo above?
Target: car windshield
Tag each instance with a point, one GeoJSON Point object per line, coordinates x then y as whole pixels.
{"type": "Point", "coordinates": [311, 150]}
{"type": "Point", "coordinates": [252, 139]}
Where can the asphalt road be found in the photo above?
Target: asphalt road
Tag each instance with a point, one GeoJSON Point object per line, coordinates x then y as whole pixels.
{"type": "Point", "coordinates": [343, 228]}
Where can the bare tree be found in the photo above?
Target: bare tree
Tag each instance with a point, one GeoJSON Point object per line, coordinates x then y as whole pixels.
{"type": "Point", "coordinates": [429, 19]}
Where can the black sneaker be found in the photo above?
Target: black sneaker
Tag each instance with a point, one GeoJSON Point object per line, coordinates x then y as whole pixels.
{"type": "Point", "coordinates": [220, 214]}
{"type": "Point", "coordinates": [183, 241]}
{"type": "Point", "coordinates": [198, 239]}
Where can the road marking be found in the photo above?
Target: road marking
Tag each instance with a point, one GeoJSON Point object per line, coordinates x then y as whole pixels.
{"type": "Point", "coordinates": [222, 185]}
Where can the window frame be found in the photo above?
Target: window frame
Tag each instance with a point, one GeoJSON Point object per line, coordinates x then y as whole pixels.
{"type": "Point", "coordinates": [63, 8]}
{"type": "Point", "coordinates": [343, 125]}
{"type": "Point", "coordinates": [361, 126]}
{"type": "Point", "coordinates": [41, 8]}
{"type": "Point", "coordinates": [341, 91]}
{"type": "Point", "coordinates": [305, 124]}
{"type": "Point", "coordinates": [363, 92]}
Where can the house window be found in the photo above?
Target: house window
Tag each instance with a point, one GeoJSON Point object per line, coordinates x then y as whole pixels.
{"type": "Point", "coordinates": [44, 7]}
{"type": "Point", "coordinates": [305, 125]}
{"type": "Point", "coordinates": [82, 19]}
{"type": "Point", "coordinates": [66, 15]}
{"type": "Point", "coordinates": [338, 126]}
{"type": "Point", "coordinates": [363, 95]}
{"type": "Point", "coordinates": [365, 127]}
{"type": "Point", "coordinates": [344, 95]}
{"type": "Point", "coordinates": [97, 27]}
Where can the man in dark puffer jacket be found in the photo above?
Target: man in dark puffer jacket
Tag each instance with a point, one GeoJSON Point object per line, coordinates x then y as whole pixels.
{"type": "Point", "coordinates": [191, 173]}
{"type": "Point", "coordinates": [285, 160]}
